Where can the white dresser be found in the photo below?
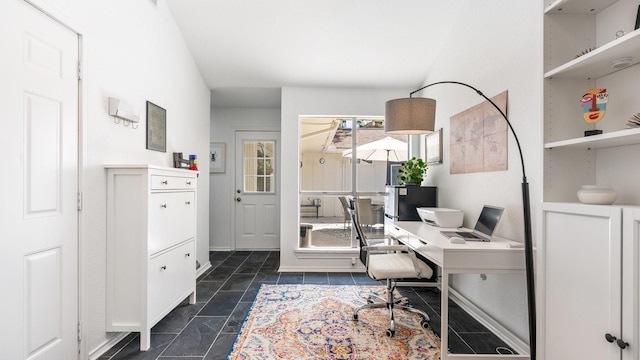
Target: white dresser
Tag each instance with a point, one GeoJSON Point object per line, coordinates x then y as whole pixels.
{"type": "Point", "coordinates": [151, 260]}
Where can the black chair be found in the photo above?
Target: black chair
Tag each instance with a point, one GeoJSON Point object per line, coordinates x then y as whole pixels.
{"type": "Point", "coordinates": [384, 261]}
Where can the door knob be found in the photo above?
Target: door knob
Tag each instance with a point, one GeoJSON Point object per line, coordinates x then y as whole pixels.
{"type": "Point", "coordinates": [238, 199]}
{"type": "Point", "coordinates": [622, 344]}
{"type": "Point", "coordinates": [610, 338]}
{"type": "Point", "coordinates": [238, 191]}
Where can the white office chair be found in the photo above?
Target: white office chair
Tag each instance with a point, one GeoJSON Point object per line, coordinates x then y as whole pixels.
{"type": "Point", "coordinates": [388, 262]}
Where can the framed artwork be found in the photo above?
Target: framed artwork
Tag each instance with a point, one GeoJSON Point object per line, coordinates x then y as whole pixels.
{"type": "Point", "coordinates": [433, 147]}
{"type": "Point", "coordinates": [217, 156]}
{"type": "Point", "coordinates": [156, 127]}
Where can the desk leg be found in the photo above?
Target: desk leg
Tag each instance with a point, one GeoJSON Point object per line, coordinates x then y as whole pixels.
{"type": "Point", "coordinates": [444, 316]}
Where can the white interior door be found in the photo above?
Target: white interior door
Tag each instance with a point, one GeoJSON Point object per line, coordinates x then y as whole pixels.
{"type": "Point", "coordinates": [257, 215]}
{"type": "Point", "coordinates": [39, 172]}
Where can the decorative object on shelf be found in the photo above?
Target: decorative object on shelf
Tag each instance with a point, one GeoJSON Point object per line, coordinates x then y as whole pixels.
{"type": "Point", "coordinates": [156, 127]}
{"type": "Point", "coordinates": [594, 106]}
{"type": "Point", "coordinates": [586, 51]}
{"type": "Point", "coordinates": [433, 148]}
{"type": "Point", "coordinates": [417, 116]}
{"type": "Point", "coordinates": [598, 195]}
{"type": "Point", "coordinates": [412, 172]}
{"type": "Point", "coordinates": [621, 63]}
{"type": "Point", "coordinates": [634, 121]}
{"type": "Point", "coordinates": [217, 157]}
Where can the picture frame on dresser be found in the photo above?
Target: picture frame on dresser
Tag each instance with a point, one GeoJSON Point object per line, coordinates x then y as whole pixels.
{"type": "Point", "coordinates": [217, 157]}
{"type": "Point", "coordinates": [156, 127]}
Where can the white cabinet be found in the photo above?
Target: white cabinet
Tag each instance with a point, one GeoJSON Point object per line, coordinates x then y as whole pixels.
{"type": "Point", "coordinates": [588, 276]}
{"type": "Point", "coordinates": [588, 254]}
{"type": "Point", "coordinates": [151, 260]}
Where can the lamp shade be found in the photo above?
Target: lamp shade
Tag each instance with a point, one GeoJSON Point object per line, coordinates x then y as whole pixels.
{"type": "Point", "coordinates": [410, 116]}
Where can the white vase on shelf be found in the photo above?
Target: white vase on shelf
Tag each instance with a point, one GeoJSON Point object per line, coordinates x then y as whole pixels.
{"type": "Point", "coordinates": [598, 195]}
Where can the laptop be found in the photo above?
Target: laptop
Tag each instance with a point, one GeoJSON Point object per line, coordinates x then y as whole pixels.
{"type": "Point", "coordinates": [486, 224]}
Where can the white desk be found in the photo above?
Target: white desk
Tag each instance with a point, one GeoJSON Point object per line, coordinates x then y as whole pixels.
{"type": "Point", "coordinates": [496, 256]}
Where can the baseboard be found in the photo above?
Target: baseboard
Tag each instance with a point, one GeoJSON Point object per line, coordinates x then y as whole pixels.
{"type": "Point", "coordinates": [203, 269]}
{"type": "Point", "coordinates": [284, 269]}
{"type": "Point", "coordinates": [490, 323]}
{"type": "Point", "coordinates": [95, 354]}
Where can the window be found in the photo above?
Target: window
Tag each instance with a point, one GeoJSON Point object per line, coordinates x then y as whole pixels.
{"type": "Point", "coordinates": [330, 169]}
{"type": "Point", "coordinates": [259, 163]}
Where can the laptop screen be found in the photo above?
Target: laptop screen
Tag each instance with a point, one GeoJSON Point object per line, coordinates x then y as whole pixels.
{"type": "Point", "coordinates": [488, 219]}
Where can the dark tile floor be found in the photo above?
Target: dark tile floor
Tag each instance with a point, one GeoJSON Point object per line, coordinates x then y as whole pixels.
{"type": "Point", "coordinates": [207, 329]}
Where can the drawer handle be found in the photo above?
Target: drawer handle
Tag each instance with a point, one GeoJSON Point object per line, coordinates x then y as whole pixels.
{"type": "Point", "coordinates": [188, 182]}
{"type": "Point", "coordinates": [163, 267]}
{"type": "Point", "coordinates": [188, 202]}
{"type": "Point", "coordinates": [163, 206]}
{"type": "Point", "coordinates": [187, 254]}
{"type": "Point", "coordinates": [165, 182]}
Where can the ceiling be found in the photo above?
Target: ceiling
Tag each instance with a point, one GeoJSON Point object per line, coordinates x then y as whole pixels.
{"type": "Point", "coordinates": [247, 50]}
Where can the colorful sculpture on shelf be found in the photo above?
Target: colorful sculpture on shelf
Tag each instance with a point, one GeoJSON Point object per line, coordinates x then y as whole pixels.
{"type": "Point", "coordinates": [594, 106]}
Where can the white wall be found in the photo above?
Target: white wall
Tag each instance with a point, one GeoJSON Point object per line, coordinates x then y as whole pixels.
{"type": "Point", "coordinates": [298, 102]}
{"type": "Point", "coordinates": [495, 46]}
{"type": "Point", "coordinates": [224, 123]}
{"type": "Point", "coordinates": [132, 50]}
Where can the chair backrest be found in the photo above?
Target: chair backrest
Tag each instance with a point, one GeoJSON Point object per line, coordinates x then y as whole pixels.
{"type": "Point", "coordinates": [345, 207]}
{"type": "Point", "coordinates": [365, 213]}
{"type": "Point", "coordinates": [353, 212]}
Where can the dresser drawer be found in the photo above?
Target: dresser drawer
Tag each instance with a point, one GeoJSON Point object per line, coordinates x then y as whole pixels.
{"type": "Point", "coordinates": [171, 275]}
{"type": "Point", "coordinates": [172, 218]}
{"type": "Point", "coordinates": [163, 182]}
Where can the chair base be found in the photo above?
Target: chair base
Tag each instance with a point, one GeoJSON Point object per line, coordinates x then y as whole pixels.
{"type": "Point", "coordinates": [391, 303]}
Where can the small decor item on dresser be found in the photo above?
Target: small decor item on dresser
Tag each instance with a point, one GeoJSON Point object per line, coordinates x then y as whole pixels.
{"type": "Point", "coordinates": [412, 172]}
{"type": "Point", "coordinates": [594, 106]}
{"type": "Point", "coordinates": [598, 195]}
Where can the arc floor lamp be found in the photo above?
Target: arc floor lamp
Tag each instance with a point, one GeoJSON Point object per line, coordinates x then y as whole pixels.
{"type": "Point", "coordinates": [414, 116]}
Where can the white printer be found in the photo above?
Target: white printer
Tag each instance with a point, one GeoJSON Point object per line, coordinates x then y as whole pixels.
{"type": "Point", "coordinates": [447, 218]}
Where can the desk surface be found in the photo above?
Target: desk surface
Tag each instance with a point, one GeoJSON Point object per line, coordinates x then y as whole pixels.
{"type": "Point", "coordinates": [497, 254]}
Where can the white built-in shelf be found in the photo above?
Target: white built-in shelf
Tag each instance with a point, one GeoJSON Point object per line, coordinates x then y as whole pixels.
{"type": "Point", "coordinates": [611, 139]}
{"type": "Point", "coordinates": [577, 6]}
{"type": "Point", "coordinates": [597, 63]}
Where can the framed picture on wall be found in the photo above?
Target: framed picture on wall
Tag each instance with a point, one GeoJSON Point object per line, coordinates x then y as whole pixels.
{"type": "Point", "coordinates": [217, 157]}
{"type": "Point", "coordinates": [156, 127]}
{"type": "Point", "coordinates": [433, 147]}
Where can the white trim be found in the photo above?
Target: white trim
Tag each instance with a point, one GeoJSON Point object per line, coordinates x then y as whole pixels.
{"type": "Point", "coordinates": [284, 269]}
{"type": "Point", "coordinates": [327, 253]}
{"type": "Point", "coordinates": [490, 323]}
{"type": "Point", "coordinates": [203, 269]}
{"type": "Point", "coordinates": [101, 350]}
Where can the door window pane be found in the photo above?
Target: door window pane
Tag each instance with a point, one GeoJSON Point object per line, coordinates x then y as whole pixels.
{"type": "Point", "coordinates": [259, 165]}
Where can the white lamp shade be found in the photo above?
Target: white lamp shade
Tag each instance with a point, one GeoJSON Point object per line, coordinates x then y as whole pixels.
{"type": "Point", "coordinates": [410, 116]}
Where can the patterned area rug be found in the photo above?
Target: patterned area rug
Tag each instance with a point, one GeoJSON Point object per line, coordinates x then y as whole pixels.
{"type": "Point", "coordinates": [301, 322]}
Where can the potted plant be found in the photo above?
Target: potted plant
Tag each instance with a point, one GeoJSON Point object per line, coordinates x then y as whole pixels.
{"type": "Point", "coordinates": [412, 172]}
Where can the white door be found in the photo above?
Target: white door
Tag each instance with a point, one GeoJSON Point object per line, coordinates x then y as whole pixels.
{"type": "Point", "coordinates": [581, 252]}
{"type": "Point", "coordinates": [257, 201]}
{"type": "Point", "coordinates": [39, 172]}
